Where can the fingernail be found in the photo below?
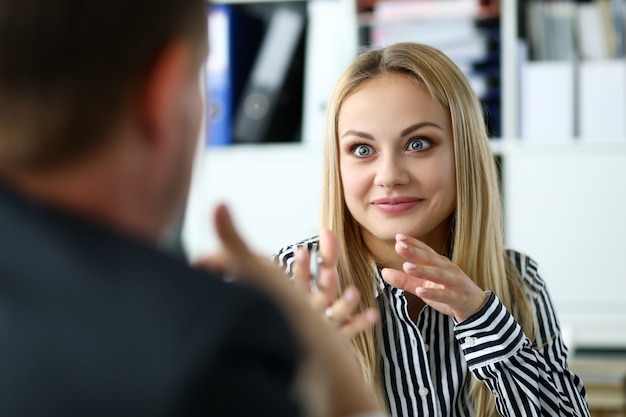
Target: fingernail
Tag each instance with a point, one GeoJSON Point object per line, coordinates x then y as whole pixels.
{"type": "Point", "coordinates": [371, 316]}
{"type": "Point", "coordinates": [403, 245]}
{"type": "Point", "coordinates": [410, 266]}
{"type": "Point", "coordinates": [400, 236]}
{"type": "Point", "coordinates": [420, 290]}
{"type": "Point", "coordinates": [350, 294]}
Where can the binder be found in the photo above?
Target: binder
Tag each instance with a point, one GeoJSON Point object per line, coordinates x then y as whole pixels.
{"type": "Point", "coordinates": [551, 26]}
{"type": "Point", "coordinates": [274, 87]}
{"type": "Point", "coordinates": [218, 79]}
{"type": "Point", "coordinates": [591, 40]}
{"type": "Point", "coordinates": [233, 40]}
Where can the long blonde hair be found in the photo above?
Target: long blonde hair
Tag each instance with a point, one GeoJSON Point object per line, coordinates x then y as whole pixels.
{"type": "Point", "coordinates": [476, 241]}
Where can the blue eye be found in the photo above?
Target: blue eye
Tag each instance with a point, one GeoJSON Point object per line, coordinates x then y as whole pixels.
{"type": "Point", "coordinates": [362, 150]}
{"type": "Point", "coordinates": [419, 144]}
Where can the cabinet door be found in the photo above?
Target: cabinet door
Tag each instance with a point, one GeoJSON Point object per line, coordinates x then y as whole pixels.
{"type": "Point", "coordinates": [566, 208]}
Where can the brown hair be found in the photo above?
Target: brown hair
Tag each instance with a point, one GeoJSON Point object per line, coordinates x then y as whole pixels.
{"type": "Point", "coordinates": [476, 240]}
{"type": "Point", "coordinates": [68, 64]}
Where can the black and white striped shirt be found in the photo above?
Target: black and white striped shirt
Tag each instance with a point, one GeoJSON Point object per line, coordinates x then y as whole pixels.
{"type": "Point", "coordinates": [427, 366]}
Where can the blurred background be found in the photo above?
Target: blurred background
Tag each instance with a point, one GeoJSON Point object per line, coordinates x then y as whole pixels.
{"type": "Point", "coordinates": [551, 75]}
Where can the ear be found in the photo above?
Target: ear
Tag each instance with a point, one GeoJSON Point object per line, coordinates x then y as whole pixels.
{"type": "Point", "coordinates": [162, 91]}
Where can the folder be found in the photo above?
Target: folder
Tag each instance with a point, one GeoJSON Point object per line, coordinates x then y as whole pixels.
{"type": "Point", "coordinates": [274, 87]}
{"type": "Point", "coordinates": [551, 28]}
{"type": "Point", "coordinates": [591, 39]}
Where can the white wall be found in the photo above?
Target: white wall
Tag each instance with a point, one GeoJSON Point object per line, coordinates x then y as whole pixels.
{"type": "Point", "coordinates": [273, 192]}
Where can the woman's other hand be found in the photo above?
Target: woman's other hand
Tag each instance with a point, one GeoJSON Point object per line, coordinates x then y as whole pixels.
{"type": "Point", "coordinates": [323, 290]}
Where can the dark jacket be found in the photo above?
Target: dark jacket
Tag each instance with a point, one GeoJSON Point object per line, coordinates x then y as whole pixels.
{"type": "Point", "coordinates": [93, 323]}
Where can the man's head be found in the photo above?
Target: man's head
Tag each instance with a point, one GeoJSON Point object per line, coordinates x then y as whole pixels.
{"type": "Point", "coordinates": [77, 75]}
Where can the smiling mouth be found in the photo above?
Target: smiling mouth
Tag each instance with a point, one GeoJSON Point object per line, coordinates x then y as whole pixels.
{"type": "Point", "coordinates": [397, 205]}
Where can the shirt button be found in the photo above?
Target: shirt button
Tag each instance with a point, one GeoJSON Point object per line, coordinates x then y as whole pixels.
{"type": "Point", "coordinates": [470, 341]}
{"type": "Point", "coordinates": [423, 391]}
{"type": "Point", "coordinates": [426, 348]}
{"type": "Point", "coordinates": [495, 393]}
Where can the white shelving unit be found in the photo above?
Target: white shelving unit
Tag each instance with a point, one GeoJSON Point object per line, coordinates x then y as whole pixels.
{"type": "Point", "coordinates": [565, 203]}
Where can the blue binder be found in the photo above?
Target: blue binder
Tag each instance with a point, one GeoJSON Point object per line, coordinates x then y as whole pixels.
{"type": "Point", "coordinates": [218, 79]}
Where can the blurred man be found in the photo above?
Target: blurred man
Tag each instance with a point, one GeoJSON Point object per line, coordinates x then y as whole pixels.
{"type": "Point", "coordinates": [100, 109]}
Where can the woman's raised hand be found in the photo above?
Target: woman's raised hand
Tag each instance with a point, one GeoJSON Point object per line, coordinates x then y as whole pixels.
{"type": "Point", "coordinates": [435, 279]}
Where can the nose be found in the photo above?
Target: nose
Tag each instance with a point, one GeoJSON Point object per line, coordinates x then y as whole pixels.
{"type": "Point", "coordinates": [391, 171]}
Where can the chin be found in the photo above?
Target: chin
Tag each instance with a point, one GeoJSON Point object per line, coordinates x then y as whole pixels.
{"type": "Point", "coordinates": [387, 235]}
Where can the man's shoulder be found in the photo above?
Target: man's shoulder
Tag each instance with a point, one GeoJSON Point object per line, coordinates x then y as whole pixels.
{"type": "Point", "coordinates": [93, 305]}
{"type": "Point", "coordinates": [72, 263]}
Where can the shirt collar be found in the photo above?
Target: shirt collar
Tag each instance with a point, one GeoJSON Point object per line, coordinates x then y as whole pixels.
{"type": "Point", "coordinates": [379, 284]}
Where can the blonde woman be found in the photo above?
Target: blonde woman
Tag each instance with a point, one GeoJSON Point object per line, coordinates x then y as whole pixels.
{"type": "Point", "coordinates": [410, 189]}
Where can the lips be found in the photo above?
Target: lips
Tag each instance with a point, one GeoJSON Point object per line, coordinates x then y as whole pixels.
{"type": "Point", "coordinates": [396, 205]}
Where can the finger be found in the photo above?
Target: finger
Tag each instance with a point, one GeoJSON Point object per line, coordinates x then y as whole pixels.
{"type": "Point", "coordinates": [329, 249]}
{"type": "Point", "coordinates": [416, 254]}
{"type": "Point", "coordinates": [230, 239]}
{"type": "Point", "coordinates": [434, 274]}
{"type": "Point", "coordinates": [213, 261]}
{"type": "Point", "coordinates": [327, 289]}
{"type": "Point", "coordinates": [419, 252]}
{"type": "Point", "coordinates": [360, 323]}
{"type": "Point", "coordinates": [240, 263]}
{"type": "Point", "coordinates": [415, 243]}
{"type": "Point", "coordinates": [329, 252]}
{"type": "Point", "coordinates": [342, 309]}
{"type": "Point", "coordinates": [401, 280]}
{"type": "Point", "coordinates": [301, 273]}
{"type": "Point", "coordinates": [227, 232]}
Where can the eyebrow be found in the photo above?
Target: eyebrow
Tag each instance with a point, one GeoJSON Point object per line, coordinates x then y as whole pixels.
{"type": "Point", "coordinates": [417, 126]}
{"type": "Point", "coordinates": [405, 132]}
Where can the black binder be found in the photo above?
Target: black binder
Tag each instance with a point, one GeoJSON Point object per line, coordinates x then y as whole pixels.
{"type": "Point", "coordinates": [270, 108]}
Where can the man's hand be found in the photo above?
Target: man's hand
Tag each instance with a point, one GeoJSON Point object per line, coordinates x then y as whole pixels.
{"type": "Point", "coordinates": [331, 383]}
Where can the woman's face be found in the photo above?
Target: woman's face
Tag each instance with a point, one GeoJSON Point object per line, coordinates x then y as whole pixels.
{"type": "Point", "coordinates": [396, 160]}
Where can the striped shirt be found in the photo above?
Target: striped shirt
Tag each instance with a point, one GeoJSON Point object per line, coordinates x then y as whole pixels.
{"type": "Point", "coordinates": [427, 366]}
